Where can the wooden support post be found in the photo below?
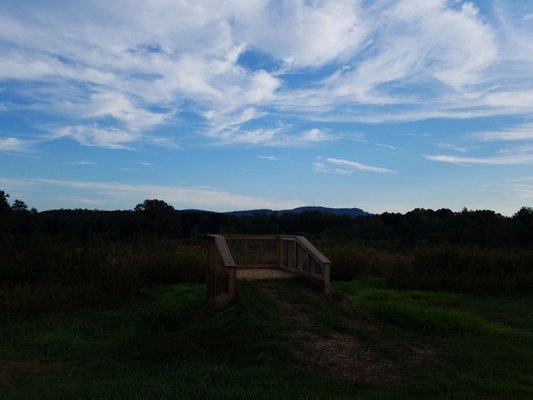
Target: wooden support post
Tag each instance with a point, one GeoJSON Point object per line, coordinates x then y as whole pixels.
{"type": "Point", "coordinates": [209, 271]}
{"type": "Point", "coordinates": [232, 278]}
{"type": "Point", "coordinates": [280, 256]}
{"type": "Point", "coordinates": [326, 272]}
{"type": "Point", "coordinates": [295, 255]}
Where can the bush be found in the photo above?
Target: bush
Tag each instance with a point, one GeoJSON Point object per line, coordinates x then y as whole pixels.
{"type": "Point", "coordinates": [40, 274]}
{"type": "Point", "coordinates": [453, 267]}
{"type": "Point", "coordinates": [467, 268]}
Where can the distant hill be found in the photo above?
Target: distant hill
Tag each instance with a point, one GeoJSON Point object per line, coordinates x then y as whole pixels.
{"type": "Point", "coordinates": [352, 212]}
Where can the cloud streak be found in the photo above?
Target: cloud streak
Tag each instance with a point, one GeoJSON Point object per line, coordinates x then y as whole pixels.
{"type": "Point", "coordinates": [11, 144]}
{"type": "Point", "coordinates": [268, 157]}
{"type": "Point", "coordinates": [354, 165]}
{"type": "Point", "coordinates": [503, 159]}
{"type": "Point", "coordinates": [273, 137]}
{"type": "Point", "coordinates": [518, 133]}
{"type": "Point", "coordinates": [346, 167]}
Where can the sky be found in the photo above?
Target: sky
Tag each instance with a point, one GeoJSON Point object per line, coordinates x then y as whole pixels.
{"type": "Point", "coordinates": [228, 105]}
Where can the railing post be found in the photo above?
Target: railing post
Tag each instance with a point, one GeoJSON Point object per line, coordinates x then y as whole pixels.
{"type": "Point", "coordinates": [279, 252]}
{"type": "Point", "coordinates": [326, 272]}
{"type": "Point", "coordinates": [221, 273]}
{"type": "Point", "coordinates": [232, 278]}
{"type": "Point", "coordinates": [295, 255]}
{"type": "Point", "coordinates": [210, 278]}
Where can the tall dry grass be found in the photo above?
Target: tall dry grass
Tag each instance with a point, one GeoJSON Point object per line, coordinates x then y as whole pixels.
{"type": "Point", "coordinates": [453, 267]}
{"type": "Point", "coordinates": [43, 275]}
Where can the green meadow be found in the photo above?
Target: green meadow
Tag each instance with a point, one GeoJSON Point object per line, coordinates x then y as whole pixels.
{"type": "Point", "coordinates": [280, 340]}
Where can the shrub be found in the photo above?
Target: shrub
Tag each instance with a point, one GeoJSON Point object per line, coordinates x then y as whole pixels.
{"type": "Point", "coordinates": [41, 274]}
{"type": "Point", "coordinates": [467, 268]}
{"type": "Point", "coordinates": [453, 267]}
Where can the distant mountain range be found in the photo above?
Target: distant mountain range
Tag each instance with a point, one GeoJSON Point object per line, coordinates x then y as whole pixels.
{"type": "Point", "coordinates": [352, 212]}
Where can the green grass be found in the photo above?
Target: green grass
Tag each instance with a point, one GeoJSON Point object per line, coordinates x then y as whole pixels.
{"type": "Point", "coordinates": [434, 313]}
{"type": "Point", "coordinates": [156, 349]}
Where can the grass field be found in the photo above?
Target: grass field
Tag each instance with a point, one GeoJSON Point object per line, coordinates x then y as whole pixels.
{"type": "Point", "coordinates": [281, 340]}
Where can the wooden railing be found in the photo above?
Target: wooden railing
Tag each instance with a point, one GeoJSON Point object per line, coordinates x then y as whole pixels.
{"type": "Point", "coordinates": [299, 256]}
{"type": "Point", "coordinates": [221, 274]}
{"type": "Point", "coordinates": [295, 254]}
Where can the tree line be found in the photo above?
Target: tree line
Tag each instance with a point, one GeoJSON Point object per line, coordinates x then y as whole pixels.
{"type": "Point", "coordinates": [155, 218]}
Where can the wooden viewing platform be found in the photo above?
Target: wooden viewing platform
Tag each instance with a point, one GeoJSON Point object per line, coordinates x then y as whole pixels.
{"type": "Point", "coordinates": [234, 256]}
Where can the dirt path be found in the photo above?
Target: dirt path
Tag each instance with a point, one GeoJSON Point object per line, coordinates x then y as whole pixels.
{"type": "Point", "coordinates": [335, 353]}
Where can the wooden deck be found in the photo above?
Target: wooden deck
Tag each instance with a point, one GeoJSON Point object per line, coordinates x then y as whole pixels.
{"type": "Point", "coordinates": [263, 273]}
{"type": "Point", "coordinates": [233, 257]}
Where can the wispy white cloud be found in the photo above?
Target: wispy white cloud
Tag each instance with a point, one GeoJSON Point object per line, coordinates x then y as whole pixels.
{"type": "Point", "coordinates": [407, 48]}
{"type": "Point", "coordinates": [162, 141]}
{"type": "Point", "coordinates": [521, 190]}
{"type": "Point", "coordinates": [267, 157]}
{"type": "Point", "coordinates": [280, 136]}
{"type": "Point", "coordinates": [451, 146]}
{"type": "Point", "coordinates": [127, 169]}
{"type": "Point", "coordinates": [518, 189]}
{"type": "Point", "coordinates": [112, 104]}
{"type": "Point", "coordinates": [80, 162]}
{"type": "Point", "coordinates": [306, 34]}
{"type": "Point", "coordinates": [110, 138]}
{"type": "Point", "coordinates": [345, 167]}
{"type": "Point", "coordinates": [354, 165]}
{"type": "Point", "coordinates": [388, 146]}
{"type": "Point", "coordinates": [522, 132]}
{"type": "Point", "coordinates": [11, 144]}
{"type": "Point", "coordinates": [513, 155]}
{"type": "Point", "coordinates": [509, 158]}
{"type": "Point", "coordinates": [314, 136]}
{"type": "Point", "coordinates": [319, 166]}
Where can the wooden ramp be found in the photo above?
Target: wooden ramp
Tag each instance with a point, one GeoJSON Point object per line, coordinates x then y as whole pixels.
{"type": "Point", "coordinates": [232, 257]}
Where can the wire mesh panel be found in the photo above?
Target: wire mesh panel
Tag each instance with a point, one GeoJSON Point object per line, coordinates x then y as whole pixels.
{"type": "Point", "coordinates": [301, 259]}
{"type": "Point", "coordinates": [254, 252]}
{"type": "Point", "coordinates": [315, 267]}
{"type": "Point", "coordinates": [299, 256]}
{"type": "Point", "coordinates": [288, 254]}
{"type": "Point", "coordinates": [284, 253]}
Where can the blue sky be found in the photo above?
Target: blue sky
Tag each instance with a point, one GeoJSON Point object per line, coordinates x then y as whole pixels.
{"type": "Point", "coordinates": [226, 105]}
